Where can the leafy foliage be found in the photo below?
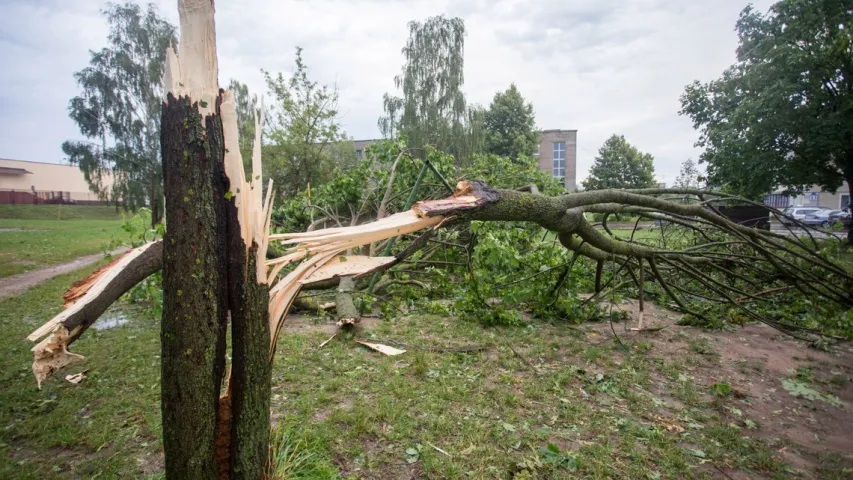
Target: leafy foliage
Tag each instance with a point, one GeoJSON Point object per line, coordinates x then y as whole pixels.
{"type": "Point", "coordinates": [138, 231]}
{"type": "Point", "coordinates": [783, 114]}
{"type": "Point", "coordinates": [304, 139]}
{"type": "Point", "coordinates": [119, 109]}
{"type": "Point", "coordinates": [510, 125]}
{"type": "Point", "coordinates": [513, 267]}
{"type": "Point", "coordinates": [620, 165]}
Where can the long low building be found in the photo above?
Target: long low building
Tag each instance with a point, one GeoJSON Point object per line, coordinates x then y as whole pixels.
{"type": "Point", "coordinates": [25, 182]}
{"type": "Point", "coordinates": [813, 197]}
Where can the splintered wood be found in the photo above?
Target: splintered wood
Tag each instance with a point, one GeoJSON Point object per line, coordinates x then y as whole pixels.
{"type": "Point", "coordinates": [316, 249]}
{"type": "Point", "coordinates": [314, 256]}
{"type": "Point", "coordinates": [52, 353]}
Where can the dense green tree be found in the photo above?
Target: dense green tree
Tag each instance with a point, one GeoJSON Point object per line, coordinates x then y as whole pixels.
{"type": "Point", "coordinates": [304, 137]}
{"type": "Point", "coordinates": [246, 106]}
{"type": "Point", "coordinates": [620, 165]}
{"type": "Point", "coordinates": [432, 109]}
{"type": "Point", "coordinates": [119, 109]}
{"type": "Point", "coordinates": [782, 115]}
{"type": "Point", "coordinates": [510, 125]}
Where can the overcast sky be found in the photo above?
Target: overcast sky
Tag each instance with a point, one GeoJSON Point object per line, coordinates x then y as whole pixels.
{"type": "Point", "coordinates": [598, 66]}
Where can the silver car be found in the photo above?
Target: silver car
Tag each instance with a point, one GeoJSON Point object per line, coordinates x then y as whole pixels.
{"type": "Point", "coordinates": [799, 213]}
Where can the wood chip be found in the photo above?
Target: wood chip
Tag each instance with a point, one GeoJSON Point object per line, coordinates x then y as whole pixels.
{"type": "Point", "coordinates": [384, 349]}
{"type": "Point", "coordinates": [76, 378]}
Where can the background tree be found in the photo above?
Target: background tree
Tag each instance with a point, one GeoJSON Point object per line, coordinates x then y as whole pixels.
{"type": "Point", "coordinates": [620, 165]}
{"type": "Point", "coordinates": [119, 109]}
{"type": "Point", "coordinates": [510, 125]}
{"type": "Point", "coordinates": [432, 110]}
{"type": "Point", "coordinates": [689, 176]}
{"type": "Point", "coordinates": [246, 105]}
{"type": "Point", "coordinates": [783, 114]}
{"type": "Point", "coordinates": [303, 131]}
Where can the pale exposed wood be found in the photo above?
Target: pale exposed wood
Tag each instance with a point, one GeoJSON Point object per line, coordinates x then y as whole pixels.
{"type": "Point", "coordinates": [347, 265]}
{"type": "Point", "coordinates": [51, 354]}
{"type": "Point", "coordinates": [383, 349]}
{"type": "Point", "coordinates": [194, 71]}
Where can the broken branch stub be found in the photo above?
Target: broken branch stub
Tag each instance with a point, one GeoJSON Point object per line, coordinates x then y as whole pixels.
{"type": "Point", "coordinates": [85, 301]}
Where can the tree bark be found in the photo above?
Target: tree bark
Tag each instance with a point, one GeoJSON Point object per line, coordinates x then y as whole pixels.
{"type": "Point", "coordinates": [347, 313]}
{"type": "Point", "coordinates": [251, 370]}
{"type": "Point", "coordinates": [195, 302]}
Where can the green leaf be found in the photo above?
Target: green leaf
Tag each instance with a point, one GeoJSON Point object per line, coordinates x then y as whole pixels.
{"type": "Point", "coordinates": [801, 390]}
{"type": "Point", "coordinates": [695, 452]}
{"type": "Point", "coordinates": [721, 389]}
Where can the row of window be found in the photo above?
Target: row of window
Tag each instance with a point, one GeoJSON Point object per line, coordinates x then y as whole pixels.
{"type": "Point", "coordinates": [558, 170]}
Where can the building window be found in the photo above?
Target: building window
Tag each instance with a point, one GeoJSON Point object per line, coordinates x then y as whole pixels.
{"type": "Point", "coordinates": [359, 153]}
{"type": "Point", "coordinates": [537, 150]}
{"type": "Point", "coordinates": [845, 201]}
{"type": "Point", "coordinates": [559, 170]}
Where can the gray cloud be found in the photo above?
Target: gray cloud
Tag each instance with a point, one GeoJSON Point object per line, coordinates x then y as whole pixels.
{"type": "Point", "coordinates": [601, 67]}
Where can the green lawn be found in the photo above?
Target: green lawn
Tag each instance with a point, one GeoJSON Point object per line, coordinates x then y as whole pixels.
{"type": "Point", "coordinates": [59, 212]}
{"type": "Point", "coordinates": [541, 401]}
{"type": "Point", "coordinates": [27, 244]}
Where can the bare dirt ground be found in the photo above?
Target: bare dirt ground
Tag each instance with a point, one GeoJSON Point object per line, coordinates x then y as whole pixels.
{"type": "Point", "coordinates": [757, 361]}
{"type": "Point", "coordinates": [17, 284]}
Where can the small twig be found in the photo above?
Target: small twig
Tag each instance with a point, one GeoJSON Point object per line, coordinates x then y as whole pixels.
{"type": "Point", "coordinates": [438, 449]}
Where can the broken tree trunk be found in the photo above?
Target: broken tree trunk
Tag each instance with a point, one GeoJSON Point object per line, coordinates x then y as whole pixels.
{"type": "Point", "coordinates": [251, 372]}
{"type": "Point", "coordinates": [347, 315]}
{"type": "Point", "coordinates": [214, 250]}
{"type": "Point", "coordinates": [195, 301]}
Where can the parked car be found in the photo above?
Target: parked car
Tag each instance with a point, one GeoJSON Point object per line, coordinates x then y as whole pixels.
{"type": "Point", "coordinates": [800, 213]}
{"type": "Point", "coordinates": [840, 216]}
{"type": "Point", "coordinates": [820, 218]}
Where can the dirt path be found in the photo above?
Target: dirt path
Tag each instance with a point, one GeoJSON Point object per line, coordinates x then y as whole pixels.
{"type": "Point", "coordinates": [18, 284]}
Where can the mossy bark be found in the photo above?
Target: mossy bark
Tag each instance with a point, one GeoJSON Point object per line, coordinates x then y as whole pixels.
{"type": "Point", "coordinates": [194, 297]}
{"type": "Point", "coordinates": [347, 313]}
{"type": "Point", "coordinates": [251, 370]}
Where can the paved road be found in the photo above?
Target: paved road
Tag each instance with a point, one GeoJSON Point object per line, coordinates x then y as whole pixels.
{"type": "Point", "coordinates": [20, 283]}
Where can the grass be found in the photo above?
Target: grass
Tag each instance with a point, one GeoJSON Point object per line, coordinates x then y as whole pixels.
{"type": "Point", "coordinates": [27, 244]}
{"type": "Point", "coordinates": [552, 406]}
{"type": "Point", "coordinates": [59, 212]}
{"type": "Point", "coordinates": [107, 428]}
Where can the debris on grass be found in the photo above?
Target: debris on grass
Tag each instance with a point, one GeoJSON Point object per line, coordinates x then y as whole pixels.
{"type": "Point", "coordinates": [801, 390]}
{"type": "Point", "coordinates": [383, 349]}
{"type": "Point", "coordinates": [76, 378]}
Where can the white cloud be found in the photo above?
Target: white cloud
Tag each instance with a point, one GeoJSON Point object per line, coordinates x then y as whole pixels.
{"type": "Point", "coordinates": [601, 67]}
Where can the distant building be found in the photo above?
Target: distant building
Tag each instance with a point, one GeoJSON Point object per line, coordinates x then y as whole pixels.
{"type": "Point", "coordinates": [557, 151]}
{"type": "Point", "coordinates": [24, 182]}
{"type": "Point", "coordinates": [812, 197]}
{"type": "Point", "coordinates": [361, 145]}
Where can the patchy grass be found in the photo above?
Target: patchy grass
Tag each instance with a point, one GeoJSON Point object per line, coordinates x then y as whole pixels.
{"type": "Point", "coordinates": [30, 244]}
{"type": "Point", "coordinates": [107, 427]}
{"type": "Point", "coordinates": [540, 401]}
{"type": "Point", "coordinates": [59, 212]}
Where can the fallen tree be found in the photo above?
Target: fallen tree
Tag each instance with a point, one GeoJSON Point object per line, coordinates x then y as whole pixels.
{"type": "Point", "coordinates": [746, 255]}
{"type": "Point", "coordinates": [216, 270]}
